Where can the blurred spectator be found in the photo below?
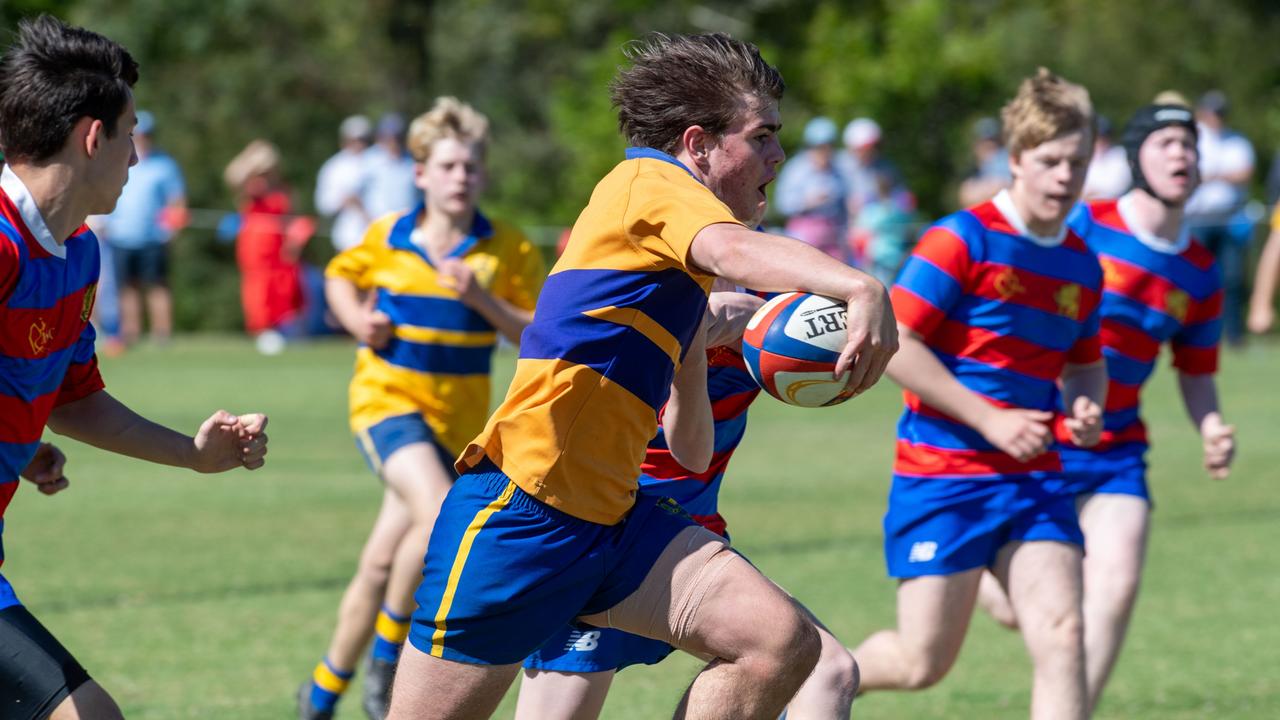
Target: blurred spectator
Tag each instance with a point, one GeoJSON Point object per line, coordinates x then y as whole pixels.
{"type": "Point", "coordinates": [887, 231]}
{"type": "Point", "coordinates": [152, 207]}
{"type": "Point", "coordinates": [268, 246]}
{"type": "Point", "coordinates": [106, 303]}
{"type": "Point", "coordinates": [341, 181]}
{"type": "Point", "coordinates": [1109, 175]}
{"type": "Point", "coordinates": [1216, 210]}
{"type": "Point", "coordinates": [990, 173]}
{"type": "Point", "coordinates": [861, 164]}
{"type": "Point", "coordinates": [389, 180]}
{"type": "Point", "coordinates": [811, 194]}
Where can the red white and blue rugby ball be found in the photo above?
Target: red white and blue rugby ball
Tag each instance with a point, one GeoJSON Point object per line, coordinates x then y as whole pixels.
{"type": "Point", "coordinates": [791, 346]}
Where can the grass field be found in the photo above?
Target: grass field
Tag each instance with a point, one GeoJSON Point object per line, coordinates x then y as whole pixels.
{"type": "Point", "coordinates": [212, 597]}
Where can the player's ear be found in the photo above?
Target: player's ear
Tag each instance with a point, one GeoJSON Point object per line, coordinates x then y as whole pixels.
{"type": "Point", "coordinates": [697, 143]}
{"type": "Point", "coordinates": [89, 133]}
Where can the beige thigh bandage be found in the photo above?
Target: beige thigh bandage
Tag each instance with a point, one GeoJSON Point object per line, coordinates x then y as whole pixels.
{"type": "Point", "coordinates": [666, 603]}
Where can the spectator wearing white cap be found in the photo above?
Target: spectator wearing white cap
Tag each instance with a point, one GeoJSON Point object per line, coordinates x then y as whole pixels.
{"type": "Point", "coordinates": [341, 182]}
{"type": "Point", "coordinates": [390, 187]}
{"type": "Point", "coordinates": [811, 194]}
{"type": "Point", "coordinates": [862, 166]}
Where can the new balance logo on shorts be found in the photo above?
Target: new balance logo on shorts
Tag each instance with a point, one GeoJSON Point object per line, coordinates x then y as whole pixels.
{"type": "Point", "coordinates": [582, 641]}
{"type": "Point", "coordinates": [922, 551]}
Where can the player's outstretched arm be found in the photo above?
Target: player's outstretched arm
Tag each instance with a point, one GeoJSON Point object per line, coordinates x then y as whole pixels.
{"type": "Point", "coordinates": [774, 263]}
{"type": "Point", "coordinates": [1084, 392]}
{"type": "Point", "coordinates": [1022, 434]}
{"type": "Point", "coordinates": [1200, 396]}
{"type": "Point", "coordinates": [223, 442]}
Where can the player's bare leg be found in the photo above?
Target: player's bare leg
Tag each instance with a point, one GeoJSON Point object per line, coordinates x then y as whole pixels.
{"type": "Point", "coordinates": [1044, 583]}
{"type": "Point", "coordinates": [993, 599]}
{"type": "Point", "coordinates": [1115, 537]}
{"type": "Point", "coordinates": [550, 695]}
{"type": "Point", "coordinates": [88, 702]}
{"type": "Point", "coordinates": [420, 480]}
{"type": "Point", "coordinates": [828, 692]}
{"type": "Point", "coordinates": [431, 688]}
{"type": "Point", "coordinates": [366, 590]}
{"type": "Point", "coordinates": [933, 617]}
{"type": "Point", "coordinates": [706, 599]}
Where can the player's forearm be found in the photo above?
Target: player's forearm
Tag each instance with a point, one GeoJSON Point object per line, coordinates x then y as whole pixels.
{"type": "Point", "coordinates": [1264, 283]}
{"type": "Point", "coordinates": [104, 422]}
{"type": "Point", "coordinates": [344, 302]}
{"type": "Point", "coordinates": [687, 422]}
{"type": "Point", "coordinates": [1200, 397]}
{"type": "Point", "coordinates": [772, 263]}
{"type": "Point", "coordinates": [917, 369]}
{"type": "Point", "coordinates": [507, 318]}
{"type": "Point", "coordinates": [1089, 380]}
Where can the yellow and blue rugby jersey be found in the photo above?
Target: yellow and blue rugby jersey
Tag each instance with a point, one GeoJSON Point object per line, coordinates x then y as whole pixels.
{"type": "Point", "coordinates": [438, 361]}
{"type": "Point", "coordinates": [611, 326]}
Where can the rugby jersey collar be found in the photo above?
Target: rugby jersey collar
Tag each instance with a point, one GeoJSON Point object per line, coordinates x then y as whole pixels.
{"type": "Point", "coordinates": [637, 153]}
{"type": "Point", "coordinates": [402, 234]}
{"type": "Point", "coordinates": [1177, 246]}
{"type": "Point", "coordinates": [30, 213]}
{"type": "Point", "coordinates": [1004, 203]}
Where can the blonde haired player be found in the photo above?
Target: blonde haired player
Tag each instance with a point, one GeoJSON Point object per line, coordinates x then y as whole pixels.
{"type": "Point", "coordinates": [996, 303]}
{"type": "Point", "coordinates": [426, 294]}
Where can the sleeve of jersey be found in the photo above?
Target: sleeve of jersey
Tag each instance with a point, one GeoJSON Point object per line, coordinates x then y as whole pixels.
{"type": "Point", "coordinates": [82, 378]}
{"type": "Point", "coordinates": [1195, 346]}
{"type": "Point", "coordinates": [353, 263]}
{"type": "Point", "coordinates": [932, 281]}
{"type": "Point", "coordinates": [668, 218]}
{"type": "Point", "coordinates": [525, 273]}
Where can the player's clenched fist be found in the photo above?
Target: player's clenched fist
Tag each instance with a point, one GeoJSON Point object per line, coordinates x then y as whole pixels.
{"type": "Point", "coordinates": [45, 470]}
{"type": "Point", "coordinates": [226, 441]}
{"type": "Point", "coordinates": [1022, 434]}
{"type": "Point", "coordinates": [1085, 422]}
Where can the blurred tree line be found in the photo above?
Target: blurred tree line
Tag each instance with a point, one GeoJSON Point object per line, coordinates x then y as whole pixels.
{"type": "Point", "coordinates": [219, 74]}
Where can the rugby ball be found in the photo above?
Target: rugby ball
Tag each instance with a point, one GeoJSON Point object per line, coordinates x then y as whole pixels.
{"type": "Point", "coordinates": [791, 346]}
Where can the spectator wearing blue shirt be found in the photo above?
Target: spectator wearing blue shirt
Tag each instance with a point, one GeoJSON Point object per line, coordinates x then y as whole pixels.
{"type": "Point", "coordinates": [811, 193]}
{"type": "Point", "coordinates": [151, 209]}
{"type": "Point", "coordinates": [389, 180]}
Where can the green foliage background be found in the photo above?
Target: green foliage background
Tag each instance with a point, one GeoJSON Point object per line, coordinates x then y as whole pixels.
{"type": "Point", "coordinates": [220, 74]}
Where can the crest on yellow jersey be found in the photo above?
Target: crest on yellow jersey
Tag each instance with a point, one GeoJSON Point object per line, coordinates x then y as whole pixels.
{"type": "Point", "coordinates": [1008, 284]}
{"type": "Point", "coordinates": [1068, 299]}
{"type": "Point", "coordinates": [1176, 303]}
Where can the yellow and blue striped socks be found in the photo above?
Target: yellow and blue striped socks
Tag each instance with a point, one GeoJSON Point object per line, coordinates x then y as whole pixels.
{"type": "Point", "coordinates": [327, 685]}
{"type": "Point", "coordinates": [388, 635]}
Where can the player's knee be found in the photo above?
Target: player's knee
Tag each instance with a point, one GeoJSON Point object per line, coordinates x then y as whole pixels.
{"type": "Point", "coordinates": [374, 572]}
{"type": "Point", "coordinates": [792, 650]}
{"type": "Point", "coordinates": [924, 669]}
{"type": "Point", "coordinates": [837, 671]}
{"type": "Point", "coordinates": [1056, 634]}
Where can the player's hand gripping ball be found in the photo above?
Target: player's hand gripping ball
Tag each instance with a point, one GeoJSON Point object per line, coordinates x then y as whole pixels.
{"type": "Point", "coordinates": [791, 346]}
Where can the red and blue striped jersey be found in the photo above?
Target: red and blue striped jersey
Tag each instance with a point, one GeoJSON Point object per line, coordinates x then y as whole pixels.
{"type": "Point", "coordinates": [1154, 292]}
{"type": "Point", "coordinates": [46, 342]}
{"type": "Point", "coordinates": [1004, 312]}
{"type": "Point", "coordinates": [731, 390]}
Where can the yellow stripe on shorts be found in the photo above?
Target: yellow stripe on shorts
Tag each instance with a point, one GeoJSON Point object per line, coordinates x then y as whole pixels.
{"type": "Point", "coordinates": [370, 449]}
{"type": "Point", "coordinates": [460, 561]}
